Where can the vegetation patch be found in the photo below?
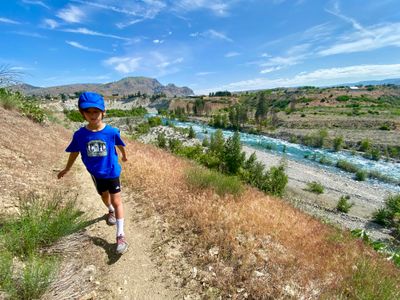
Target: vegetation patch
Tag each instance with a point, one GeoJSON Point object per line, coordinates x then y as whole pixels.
{"type": "Point", "coordinates": [25, 273]}
{"type": "Point", "coordinates": [315, 187]}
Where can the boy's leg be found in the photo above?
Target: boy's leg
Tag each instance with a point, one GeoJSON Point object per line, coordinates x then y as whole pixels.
{"type": "Point", "coordinates": [105, 196]}
{"type": "Point", "coordinates": [116, 201]}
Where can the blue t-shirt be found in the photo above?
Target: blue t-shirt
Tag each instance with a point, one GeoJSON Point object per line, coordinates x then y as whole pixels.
{"type": "Point", "coordinates": [98, 151]}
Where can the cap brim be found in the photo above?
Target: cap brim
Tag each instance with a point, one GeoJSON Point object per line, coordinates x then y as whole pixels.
{"type": "Point", "coordinates": [87, 105]}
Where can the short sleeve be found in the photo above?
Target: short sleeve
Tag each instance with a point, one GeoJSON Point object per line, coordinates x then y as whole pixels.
{"type": "Point", "coordinates": [74, 145]}
{"type": "Point", "coordinates": [118, 140]}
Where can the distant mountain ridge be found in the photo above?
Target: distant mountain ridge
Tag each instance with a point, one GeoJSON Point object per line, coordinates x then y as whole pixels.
{"type": "Point", "coordinates": [395, 81]}
{"type": "Point", "coordinates": [123, 87]}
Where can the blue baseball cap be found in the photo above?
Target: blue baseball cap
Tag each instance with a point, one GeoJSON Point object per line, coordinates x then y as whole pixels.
{"type": "Point", "coordinates": [90, 99]}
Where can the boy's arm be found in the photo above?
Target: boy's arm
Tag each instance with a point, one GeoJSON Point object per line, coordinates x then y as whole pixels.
{"type": "Point", "coordinates": [71, 159]}
{"type": "Point", "coordinates": [122, 149]}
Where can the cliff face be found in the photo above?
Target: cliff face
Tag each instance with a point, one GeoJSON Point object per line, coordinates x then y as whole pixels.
{"type": "Point", "coordinates": [125, 86]}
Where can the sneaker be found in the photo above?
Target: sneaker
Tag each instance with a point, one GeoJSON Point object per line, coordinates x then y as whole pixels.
{"type": "Point", "coordinates": [122, 245]}
{"type": "Point", "coordinates": [111, 220]}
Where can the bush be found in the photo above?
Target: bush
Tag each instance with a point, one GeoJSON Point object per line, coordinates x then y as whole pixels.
{"type": "Point", "coordinates": [161, 140]}
{"type": "Point", "coordinates": [315, 187]}
{"type": "Point", "coordinates": [275, 181]}
{"type": "Point", "coordinates": [389, 215]}
{"type": "Point", "coordinates": [343, 98]}
{"type": "Point", "coordinates": [143, 128]}
{"type": "Point", "coordinates": [361, 175]}
{"type": "Point", "coordinates": [222, 184]}
{"type": "Point", "coordinates": [338, 143]}
{"type": "Point", "coordinates": [365, 145]}
{"type": "Point", "coordinates": [74, 115]}
{"type": "Point", "coordinates": [343, 204]}
{"type": "Point", "coordinates": [154, 121]}
{"type": "Point", "coordinates": [347, 166]}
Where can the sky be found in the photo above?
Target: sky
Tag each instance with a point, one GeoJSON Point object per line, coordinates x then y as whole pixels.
{"type": "Point", "coordinates": [205, 45]}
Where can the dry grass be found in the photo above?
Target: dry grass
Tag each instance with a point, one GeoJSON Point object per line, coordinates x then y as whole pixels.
{"type": "Point", "coordinates": [253, 243]}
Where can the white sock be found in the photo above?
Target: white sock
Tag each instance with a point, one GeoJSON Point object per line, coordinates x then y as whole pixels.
{"type": "Point", "coordinates": [111, 208]}
{"type": "Point", "coordinates": [120, 227]}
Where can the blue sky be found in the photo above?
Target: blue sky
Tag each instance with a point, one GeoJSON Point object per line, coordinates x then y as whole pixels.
{"type": "Point", "coordinates": [205, 45]}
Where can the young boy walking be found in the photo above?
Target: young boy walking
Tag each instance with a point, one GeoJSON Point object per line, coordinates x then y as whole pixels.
{"type": "Point", "coordinates": [96, 143]}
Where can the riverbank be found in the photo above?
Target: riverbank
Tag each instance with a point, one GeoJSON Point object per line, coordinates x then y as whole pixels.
{"type": "Point", "coordinates": [366, 197]}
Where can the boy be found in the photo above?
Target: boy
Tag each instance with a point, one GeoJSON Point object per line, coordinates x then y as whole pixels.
{"type": "Point", "coordinates": [96, 143]}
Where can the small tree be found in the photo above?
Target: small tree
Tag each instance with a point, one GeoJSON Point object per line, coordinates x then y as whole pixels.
{"type": "Point", "coordinates": [233, 155]}
{"type": "Point", "coordinates": [191, 134]}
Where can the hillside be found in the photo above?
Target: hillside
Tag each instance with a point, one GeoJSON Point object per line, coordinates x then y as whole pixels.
{"type": "Point", "coordinates": [123, 87]}
{"type": "Point", "coordinates": [187, 241]}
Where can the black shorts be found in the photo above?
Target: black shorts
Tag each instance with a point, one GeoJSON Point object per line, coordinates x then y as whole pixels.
{"type": "Point", "coordinates": [112, 185]}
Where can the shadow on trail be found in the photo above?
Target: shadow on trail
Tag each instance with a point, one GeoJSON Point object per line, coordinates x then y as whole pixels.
{"type": "Point", "coordinates": [109, 248]}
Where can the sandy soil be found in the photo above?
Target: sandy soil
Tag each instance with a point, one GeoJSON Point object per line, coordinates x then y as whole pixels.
{"type": "Point", "coordinates": [366, 197]}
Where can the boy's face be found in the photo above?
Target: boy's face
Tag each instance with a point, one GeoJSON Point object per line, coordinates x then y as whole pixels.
{"type": "Point", "coordinates": [93, 115]}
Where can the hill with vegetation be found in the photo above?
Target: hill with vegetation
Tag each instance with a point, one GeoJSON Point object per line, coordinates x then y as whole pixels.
{"type": "Point", "coordinates": [208, 234]}
{"type": "Point", "coordinates": [123, 87]}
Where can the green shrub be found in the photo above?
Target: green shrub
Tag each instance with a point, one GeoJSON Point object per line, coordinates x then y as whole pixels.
{"type": "Point", "coordinates": [143, 128]}
{"type": "Point", "coordinates": [74, 115]}
{"type": "Point", "coordinates": [174, 145]}
{"type": "Point", "coordinates": [374, 154]}
{"type": "Point", "coordinates": [338, 143]}
{"type": "Point", "coordinates": [315, 187]}
{"type": "Point", "coordinates": [343, 98]}
{"type": "Point", "coordinates": [365, 145]}
{"type": "Point", "coordinates": [191, 134]}
{"type": "Point", "coordinates": [161, 140]}
{"type": "Point", "coordinates": [222, 184]}
{"type": "Point", "coordinates": [389, 215]}
{"type": "Point", "coordinates": [361, 175]}
{"type": "Point", "coordinates": [343, 204]}
{"type": "Point", "coordinates": [154, 121]}
{"type": "Point", "coordinates": [9, 100]}
{"type": "Point", "coordinates": [190, 152]}
{"type": "Point", "coordinates": [37, 275]}
{"type": "Point", "coordinates": [275, 180]}
{"type": "Point", "coordinates": [41, 223]}
{"type": "Point", "coordinates": [347, 166]}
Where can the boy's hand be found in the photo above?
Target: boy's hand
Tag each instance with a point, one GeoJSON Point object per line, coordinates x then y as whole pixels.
{"type": "Point", "coordinates": [62, 173]}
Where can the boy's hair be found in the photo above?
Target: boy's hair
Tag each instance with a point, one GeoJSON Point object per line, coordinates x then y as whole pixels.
{"type": "Point", "coordinates": [91, 100]}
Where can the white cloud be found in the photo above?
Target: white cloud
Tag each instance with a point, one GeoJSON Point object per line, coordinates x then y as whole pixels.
{"type": "Point", "coordinates": [71, 14]}
{"type": "Point", "coordinates": [217, 7]}
{"type": "Point", "coordinates": [232, 54]}
{"type": "Point", "coordinates": [212, 34]}
{"type": "Point", "coordinates": [124, 64]}
{"type": "Point", "coordinates": [9, 21]}
{"type": "Point", "coordinates": [82, 47]}
{"type": "Point", "coordinates": [158, 41]}
{"type": "Point", "coordinates": [29, 34]}
{"type": "Point", "coordinates": [50, 23]}
{"type": "Point", "coordinates": [122, 25]}
{"type": "Point", "coordinates": [376, 37]}
{"type": "Point", "coordinates": [269, 70]}
{"type": "Point", "coordinates": [33, 2]}
{"type": "Point", "coordinates": [204, 73]}
{"type": "Point", "coordinates": [319, 77]}
{"type": "Point", "coordinates": [95, 33]}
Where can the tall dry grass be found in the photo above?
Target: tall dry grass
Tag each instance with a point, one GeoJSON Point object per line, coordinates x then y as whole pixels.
{"type": "Point", "coordinates": [259, 244]}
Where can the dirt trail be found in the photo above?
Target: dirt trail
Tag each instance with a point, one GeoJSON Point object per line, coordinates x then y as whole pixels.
{"type": "Point", "coordinates": [132, 275]}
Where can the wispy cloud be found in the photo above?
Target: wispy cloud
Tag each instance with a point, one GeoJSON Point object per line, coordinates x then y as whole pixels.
{"type": "Point", "coordinates": [30, 34]}
{"type": "Point", "coordinates": [122, 25]}
{"type": "Point", "coordinates": [82, 47]}
{"type": "Point", "coordinates": [71, 14]}
{"type": "Point", "coordinates": [9, 21]}
{"type": "Point", "coordinates": [375, 37]}
{"type": "Point", "coordinates": [156, 41]}
{"type": "Point", "coordinates": [124, 65]}
{"type": "Point", "coordinates": [217, 7]}
{"type": "Point", "coordinates": [50, 23]}
{"type": "Point", "coordinates": [154, 63]}
{"type": "Point", "coordinates": [95, 33]}
{"type": "Point", "coordinates": [212, 34]}
{"type": "Point", "coordinates": [318, 77]}
{"type": "Point", "coordinates": [232, 54]}
{"type": "Point", "coordinates": [204, 73]}
{"type": "Point", "coordinates": [34, 2]}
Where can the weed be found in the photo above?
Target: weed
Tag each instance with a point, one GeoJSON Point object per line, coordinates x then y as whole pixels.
{"type": "Point", "coordinates": [343, 204]}
{"type": "Point", "coordinates": [389, 215]}
{"type": "Point", "coordinates": [315, 187]}
{"type": "Point", "coordinates": [222, 184]}
{"type": "Point", "coordinates": [41, 223]}
{"type": "Point", "coordinates": [361, 175]}
{"type": "Point", "coordinates": [338, 143]}
{"type": "Point", "coordinates": [347, 166]}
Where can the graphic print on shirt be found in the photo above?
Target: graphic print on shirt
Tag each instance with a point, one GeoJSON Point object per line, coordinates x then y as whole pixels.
{"type": "Point", "coordinates": [96, 148]}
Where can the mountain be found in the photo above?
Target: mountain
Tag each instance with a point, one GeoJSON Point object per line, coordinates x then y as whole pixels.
{"type": "Point", "coordinates": [123, 87]}
{"type": "Point", "coordinates": [395, 81]}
